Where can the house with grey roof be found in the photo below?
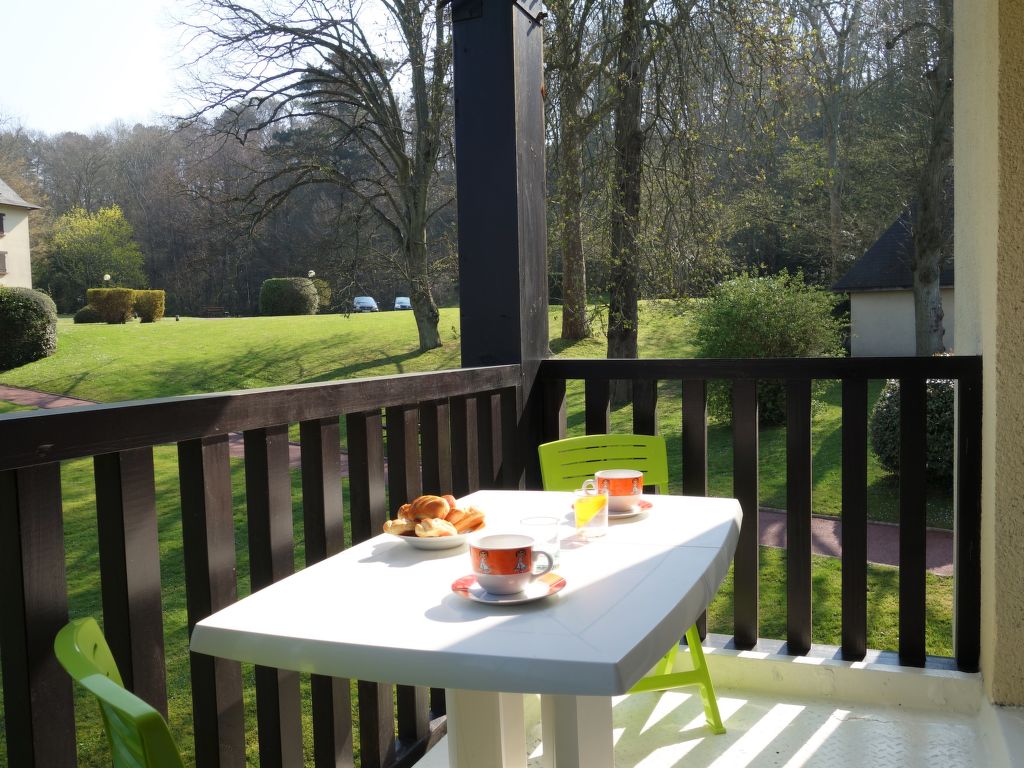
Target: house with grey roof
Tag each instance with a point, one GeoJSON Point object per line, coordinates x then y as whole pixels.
{"type": "Point", "coordinates": [880, 285]}
{"type": "Point", "coordinates": [15, 262]}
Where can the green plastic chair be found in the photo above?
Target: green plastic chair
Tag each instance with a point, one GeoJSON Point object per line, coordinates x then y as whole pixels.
{"type": "Point", "coordinates": [564, 465]}
{"type": "Point", "coordinates": [137, 733]}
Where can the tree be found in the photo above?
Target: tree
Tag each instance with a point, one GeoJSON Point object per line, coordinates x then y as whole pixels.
{"type": "Point", "coordinates": [85, 247]}
{"type": "Point", "coordinates": [311, 66]}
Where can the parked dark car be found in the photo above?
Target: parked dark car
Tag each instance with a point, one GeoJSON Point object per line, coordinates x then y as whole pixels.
{"type": "Point", "coordinates": [402, 302]}
{"type": "Point", "coordinates": [364, 304]}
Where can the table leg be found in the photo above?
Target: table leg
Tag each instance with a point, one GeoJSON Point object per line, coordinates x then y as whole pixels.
{"type": "Point", "coordinates": [577, 731]}
{"type": "Point", "coordinates": [485, 730]}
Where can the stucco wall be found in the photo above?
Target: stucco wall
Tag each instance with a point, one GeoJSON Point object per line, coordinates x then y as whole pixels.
{"type": "Point", "coordinates": [989, 242]}
{"type": "Point", "coordinates": [15, 243]}
{"type": "Point", "coordinates": [882, 322]}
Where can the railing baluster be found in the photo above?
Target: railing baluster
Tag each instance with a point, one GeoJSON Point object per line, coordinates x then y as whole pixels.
{"type": "Point", "coordinates": [798, 515]}
{"type": "Point", "coordinates": [695, 437]}
{"type": "Point", "coordinates": [324, 529]}
{"type": "Point", "coordinates": [404, 484]}
{"type": "Point", "coordinates": [598, 409]}
{"type": "Point", "coordinates": [695, 452]}
{"type": "Point", "coordinates": [208, 534]}
{"type": "Point", "coordinates": [271, 558]}
{"type": "Point", "coordinates": [512, 464]}
{"type": "Point", "coordinates": [645, 412]}
{"type": "Point", "coordinates": [913, 460]}
{"type": "Point", "coordinates": [967, 567]}
{"type": "Point", "coordinates": [745, 489]}
{"type": "Point", "coordinates": [130, 570]}
{"type": "Point", "coordinates": [488, 409]}
{"type": "Point", "coordinates": [435, 428]}
{"type": "Point", "coordinates": [465, 447]}
{"type": "Point", "coordinates": [855, 519]}
{"type": "Point", "coordinates": [369, 511]}
{"type": "Point", "coordinates": [553, 414]}
{"type": "Point", "coordinates": [38, 705]}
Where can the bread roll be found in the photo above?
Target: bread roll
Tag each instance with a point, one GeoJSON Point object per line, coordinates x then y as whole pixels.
{"type": "Point", "coordinates": [472, 520]}
{"type": "Point", "coordinates": [431, 527]}
{"type": "Point", "coordinates": [405, 512]}
{"type": "Point", "coordinates": [428, 507]}
{"type": "Point", "coordinates": [455, 516]}
{"type": "Point", "coordinates": [451, 502]}
{"type": "Point", "coordinates": [400, 527]}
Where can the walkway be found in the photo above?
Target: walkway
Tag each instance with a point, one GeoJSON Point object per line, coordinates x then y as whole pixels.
{"type": "Point", "coordinates": [826, 532]}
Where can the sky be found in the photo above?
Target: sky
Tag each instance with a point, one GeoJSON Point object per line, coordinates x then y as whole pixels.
{"type": "Point", "coordinates": [71, 65]}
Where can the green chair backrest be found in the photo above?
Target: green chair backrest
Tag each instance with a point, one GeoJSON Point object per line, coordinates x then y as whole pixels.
{"type": "Point", "coordinates": [565, 464]}
{"type": "Point", "coordinates": [137, 733]}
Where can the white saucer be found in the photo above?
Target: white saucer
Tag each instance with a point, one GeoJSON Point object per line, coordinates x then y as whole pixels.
{"type": "Point", "coordinates": [435, 542]}
{"type": "Point", "coordinates": [544, 586]}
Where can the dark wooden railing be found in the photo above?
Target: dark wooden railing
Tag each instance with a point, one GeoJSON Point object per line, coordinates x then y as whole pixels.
{"type": "Point", "coordinates": [798, 375]}
{"type": "Point", "coordinates": [450, 431]}
{"type": "Point", "coordinates": [444, 432]}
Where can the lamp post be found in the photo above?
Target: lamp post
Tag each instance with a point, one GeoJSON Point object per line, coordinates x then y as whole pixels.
{"type": "Point", "coordinates": [311, 274]}
{"type": "Point", "coordinates": [106, 281]}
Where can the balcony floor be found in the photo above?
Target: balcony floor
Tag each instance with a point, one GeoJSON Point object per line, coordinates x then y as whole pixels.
{"type": "Point", "coordinates": [664, 730]}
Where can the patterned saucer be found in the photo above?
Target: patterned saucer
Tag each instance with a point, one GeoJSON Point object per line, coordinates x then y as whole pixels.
{"type": "Point", "coordinates": [544, 586]}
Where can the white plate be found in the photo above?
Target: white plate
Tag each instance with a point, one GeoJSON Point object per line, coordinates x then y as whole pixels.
{"type": "Point", "coordinates": [434, 542]}
{"type": "Point", "coordinates": [544, 586]}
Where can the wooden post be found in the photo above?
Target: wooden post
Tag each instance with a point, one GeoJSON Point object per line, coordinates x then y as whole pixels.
{"type": "Point", "coordinates": [499, 152]}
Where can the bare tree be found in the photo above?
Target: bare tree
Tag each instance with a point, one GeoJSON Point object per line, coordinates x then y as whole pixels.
{"type": "Point", "coordinates": [311, 63]}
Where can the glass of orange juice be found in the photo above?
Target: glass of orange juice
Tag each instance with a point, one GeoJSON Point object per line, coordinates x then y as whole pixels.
{"type": "Point", "coordinates": [590, 506]}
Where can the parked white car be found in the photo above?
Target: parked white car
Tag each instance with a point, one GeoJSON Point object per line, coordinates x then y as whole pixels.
{"type": "Point", "coordinates": [364, 304]}
{"type": "Point", "coordinates": [402, 302]}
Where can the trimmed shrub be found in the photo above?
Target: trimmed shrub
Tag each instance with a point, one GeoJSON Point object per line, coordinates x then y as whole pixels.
{"type": "Point", "coordinates": [776, 316]}
{"type": "Point", "coordinates": [323, 293]}
{"type": "Point", "coordinates": [885, 427]}
{"type": "Point", "coordinates": [288, 296]}
{"type": "Point", "coordinates": [88, 314]}
{"type": "Point", "coordinates": [149, 305]}
{"type": "Point", "coordinates": [28, 326]}
{"type": "Point", "coordinates": [115, 305]}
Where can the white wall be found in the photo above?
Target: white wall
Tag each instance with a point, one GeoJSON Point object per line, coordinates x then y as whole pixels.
{"type": "Point", "coordinates": [882, 322]}
{"type": "Point", "coordinates": [15, 243]}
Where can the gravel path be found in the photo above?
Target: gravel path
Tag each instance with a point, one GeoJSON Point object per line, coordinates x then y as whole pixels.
{"type": "Point", "coordinates": [826, 532]}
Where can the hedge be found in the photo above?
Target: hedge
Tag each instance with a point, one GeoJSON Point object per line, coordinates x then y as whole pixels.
{"type": "Point", "coordinates": [115, 305]}
{"type": "Point", "coordinates": [288, 296]}
{"type": "Point", "coordinates": [323, 293]}
{"type": "Point", "coordinates": [88, 314]}
{"type": "Point", "coordinates": [885, 427]}
{"type": "Point", "coordinates": [28, 326]}
{"type": "Point", "coordinates": [149, 305]}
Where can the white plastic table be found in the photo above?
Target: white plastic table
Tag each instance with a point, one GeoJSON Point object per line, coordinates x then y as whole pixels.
{"type": "Point", "coordinates": [384, 611]}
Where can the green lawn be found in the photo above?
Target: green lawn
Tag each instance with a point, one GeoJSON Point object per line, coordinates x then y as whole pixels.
{"type": "Point", "coordinates": [110, 363]}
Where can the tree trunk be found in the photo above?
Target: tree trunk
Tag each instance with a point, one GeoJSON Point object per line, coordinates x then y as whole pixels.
{"type": "Point", "coordinates": [574, 267]}
{"type": "Point", "coordinates": [929, 221]}
{"type": "Point", "coordinates": [623, 292]}
{"type": "Point", "coordinates": [423, 307]}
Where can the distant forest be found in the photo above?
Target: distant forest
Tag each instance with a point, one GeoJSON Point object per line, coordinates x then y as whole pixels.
{"type": "Point", "coordinates": [687, 140]}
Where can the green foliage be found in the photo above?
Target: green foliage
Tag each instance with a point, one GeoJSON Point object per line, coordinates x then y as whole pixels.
{"type": "Point", "coordinates": [88, 314]}
{"type": "Point", "coordinates": [775, 316]}
{"type": "Point", "coordinates": [28, 326]}
{"type": "Point", "coordinates": [115, 305]}
{"type": "Point", "coordinates": [885, 427]}
{"type": "Point", "coordinates": [323, 292]}
{"type": "Point", "coordinates": [149, 305]}
{"type": "Point", "coordinates": [288, 296]}
{"type": "Point", "coordinates": [85, 247]}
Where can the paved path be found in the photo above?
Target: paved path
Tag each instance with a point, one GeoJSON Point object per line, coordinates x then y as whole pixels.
{"type": "Point", "coordinates": [826, 532]}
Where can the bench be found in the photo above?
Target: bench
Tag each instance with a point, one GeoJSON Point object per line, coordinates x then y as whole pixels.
{"type": "Point", "coordinates": [214, 312]}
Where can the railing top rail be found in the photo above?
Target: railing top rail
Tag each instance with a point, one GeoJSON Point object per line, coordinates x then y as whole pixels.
{"type": "Point", "coordinates": [944, 367]}
{"type": "Point", "coordinates": [38, 437]}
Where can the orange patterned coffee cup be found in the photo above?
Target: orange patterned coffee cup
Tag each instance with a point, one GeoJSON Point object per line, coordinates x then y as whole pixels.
{"type": "Point", "coordinates": [624, 487]}
{"type": "Point", "coordinates": [503, 563]}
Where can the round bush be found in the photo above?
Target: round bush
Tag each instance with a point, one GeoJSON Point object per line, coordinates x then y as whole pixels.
{"type": "Point", "coordinates": [28, 326]}
{"type": "Point", "coordinates": [776, 316]}
{"type": "Point", "coordinates": [885, 427]}
{"type": "Point", "coordinates": [288, 296]}
{"type": "Point", "coordinates": [88, 314]}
